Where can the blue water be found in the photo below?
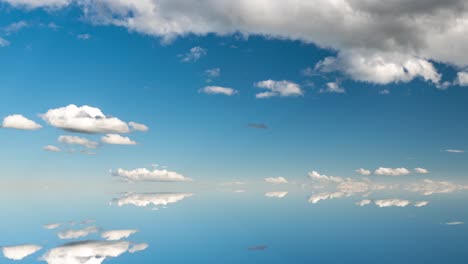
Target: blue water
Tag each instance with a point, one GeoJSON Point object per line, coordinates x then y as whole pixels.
{"type": "Point", "coordinates": [246, 227]}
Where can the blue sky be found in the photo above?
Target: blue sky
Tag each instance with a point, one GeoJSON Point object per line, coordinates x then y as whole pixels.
{"type": "Point", "coordinates": [312, 101]}
{"type": "Point", "coordinates": [135, 77]}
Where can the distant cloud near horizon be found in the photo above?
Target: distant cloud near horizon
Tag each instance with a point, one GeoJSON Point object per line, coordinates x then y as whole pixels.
{"type": "Point", "coordinates": [391, 171]}
{"type": "Point", "coordinates": [277, 180]}
{"type": "Point", "coordinates": [363, 172]}
{"type": "Point", "coordinates": [454, 150]}
{"type": "Point", "coordinates": [51, 148]}
{"type": "Point", "coordinates": [421, 171]}
{"type": "Point", "coordinates": [156, 175]}
{"type": "Point", "coordinates": [19, 122]}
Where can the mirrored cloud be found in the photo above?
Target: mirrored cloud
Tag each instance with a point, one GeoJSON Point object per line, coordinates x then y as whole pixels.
{"type": "Point", "coordinates": [156, 175]}
{"type": "Point", "coordinates": [276, 194]}
{"type": "Point", "coordinates": [20, 252]}
{"type": "Point", "coordinates": [392, 202]}
{"type": "Point", "coordinates": [277, 180]}
{"type": "Point", "coordinates": [429, 187]}
{"type": "Point", "coordinates": [156, 199]}
{"type": "Point", "coordinates": [73, 234]}
{"type": "Point", "coordinates": [118, 234]}
{"type": "Point", "coordinates": [85, 252]}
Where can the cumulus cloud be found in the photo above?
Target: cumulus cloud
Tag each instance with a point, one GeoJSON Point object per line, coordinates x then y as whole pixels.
{"type": "Point", "coordinates": [391, 171]}
{"type": "Point", "coordinates": [392, 202]}
{"type": "Point", "coordinates": [193, 55]}
{"type": "Point", "coordinates": [73, 234]}
{"type": "Point", "coordinates": [138, 127]}
{"type": "Point", "coordinates": [277, 180]}
{"type": "Point", "coordinates": [398, 40]}
{"type": "Point", "coordinates": [218, 90]}
{"type": "Point", "coordinates": [363, 172]}
{"type": "Point", "coordinates": [84, 119]}
{"type": "Point", "coordinates": [51, 148]}
{"type": "Point", "coordinates": [20, 252]}
{"type": "Point", "coordinates": [85, 252]}
{"type": "Point", "coordinates": [116, 139]}
{"type": "Point", "coordinates": [276, 194]}
{"type": "Point", "coordinates": [314, 175]}
{"type": "Point", "coordinates": [74, 140]}
{"type": "Point", "coordinates": [462, 79]}
{"type": "Point", "coordinates": [118, 234]}
{"type": "Point", "coordinates": [333, 87]}
{"type": "Point", "coordinates": [138, 247]}
{"type": "Point", "coordinates": [19, 122]}
{"type": "Point", "coordinates": [421, 171]}
{"type": "Point", "coordinates": [156, 199]}
{"type": "Point", "coordinates": [278, 88]}
{"type": "Point", "coordinates": [143, 174]}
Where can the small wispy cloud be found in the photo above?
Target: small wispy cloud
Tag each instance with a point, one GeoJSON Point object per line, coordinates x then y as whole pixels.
{"type": "Point", "coordinates": [83, 36]}
{"type": "Point", "coordinates": [218, 90]}
{"type": "Point", "coordinates": [194, 54]}
{"type": "Point", "coordinates": [454, 151]}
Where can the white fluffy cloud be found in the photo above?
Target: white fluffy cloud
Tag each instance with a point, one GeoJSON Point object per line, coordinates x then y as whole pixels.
{"type": "Point", "coordinates": [421, 171]}
{"type": "Point", "coordinates": [116, 139]}
{"type": "Point", "coordinates": [314, 175]}
{"type": "Point", "coordinates": [118, 234]}
{"type": "Point", "coordinates": [143, 174]}
{"type": "Point", "coordinates": [363, 172]}
{"type": "Point", "coordinates": [392, 202]}
{"type": "Point", "coordinates": [20, 122]}
{"type": "Point", "coordinates": [276, 194]}
{"type": "Point", "coordinates": [462, 79]}
{"type": "Point", "coordinates": [138, 127]}
{"type": "Point", "coordinates": [277, 180]}
{"type": "Point", "coordinates": [20, 252]}
{"type": "Point", "coordinates": [218, 90]}
{"type": "Point", "coordinates": [156, 199]}
{"type": "Point", "coordinates": [74, 140]}
{"type": "Point", "coordinates": [73, 234]}
{"type": "Point", "coordinates": [193, 55]}
{"type": "Point", "coordinates": [84, 119]}
{"type": "Point", "coordinates": [391, 171]}
{"type": "Point", "coordinates": [333, 87]}
{"type": "Point", "coordinates": [85, 252]}
{"type": "Point", "coordinates": [278, 88]}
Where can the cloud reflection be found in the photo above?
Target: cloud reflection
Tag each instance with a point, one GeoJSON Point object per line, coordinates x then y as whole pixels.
{"type": "Point", "coordinates": [156, 199]}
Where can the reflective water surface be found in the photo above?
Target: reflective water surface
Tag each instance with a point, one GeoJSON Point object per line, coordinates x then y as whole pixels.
{"type": "Point", "coordinates": [321, 220]}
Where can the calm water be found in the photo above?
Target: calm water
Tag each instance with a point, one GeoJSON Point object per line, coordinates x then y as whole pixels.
{"type": "Point", "coordinates": [300, 224]}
